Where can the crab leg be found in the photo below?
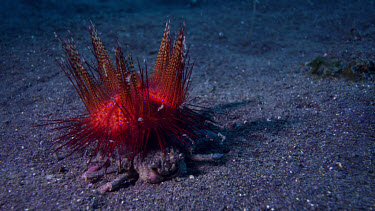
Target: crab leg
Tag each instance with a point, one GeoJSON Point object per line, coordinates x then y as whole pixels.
{"type": "Point", "coordinates": [96, 172]}
{"type": "Point", "coordinates": [109, 186]}
{"type": "Point", "coordinates": [206, 157]}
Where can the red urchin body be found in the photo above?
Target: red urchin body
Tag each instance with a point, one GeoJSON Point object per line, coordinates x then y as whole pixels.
{"type": "Point", "coordinates": [128, 113]}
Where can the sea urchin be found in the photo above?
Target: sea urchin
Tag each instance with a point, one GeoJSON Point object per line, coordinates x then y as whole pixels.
{"type": "Point", "coordinates": [129, 113]}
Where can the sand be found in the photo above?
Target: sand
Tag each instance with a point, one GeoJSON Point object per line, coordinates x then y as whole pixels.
{"type": "Point", "coordinates": [294, 140]}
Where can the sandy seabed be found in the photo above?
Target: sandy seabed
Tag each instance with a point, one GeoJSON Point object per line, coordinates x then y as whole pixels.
{"type": "Point", "coordinates": [295, 140]}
